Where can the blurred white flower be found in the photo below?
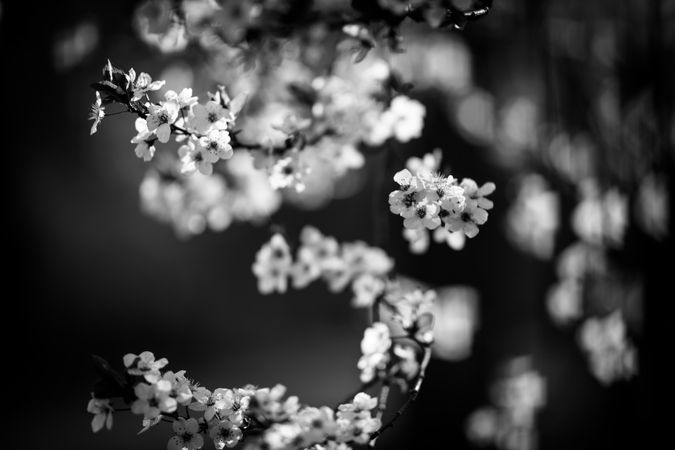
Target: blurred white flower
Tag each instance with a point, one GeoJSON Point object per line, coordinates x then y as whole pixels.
{"type": "Point", "coordinates": [533, 218]}
{"type": "Point", "coordinates": [455, 313]}
{"type": "Point", "coordinates": [601, 217]}
{"type": "Point", "coordinates": [273, 265]}
{"type": "Point", "coordinates": [375, 348]}
{"type": "Point", "coordinates": [652, 209]}
{"type": "Point", "coordinates": [564, 300]}
{"type": "Point", "coordinates": [611, 355]}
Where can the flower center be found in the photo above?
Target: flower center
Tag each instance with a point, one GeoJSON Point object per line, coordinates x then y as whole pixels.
{"type": "Point", "coordinates": [421, 212]}
{"type": "Point", "coordinates": [409, 200]}
{"type": "Point", "coordinates": [213, 117]}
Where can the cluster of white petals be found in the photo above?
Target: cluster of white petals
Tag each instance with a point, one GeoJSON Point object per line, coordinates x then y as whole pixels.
{"type": "Point", "coordinates": [321, 257]}
{"type": "Point", "coordinates": [428, 201]}
{"type": "Point", "coordinates": [226, 415]}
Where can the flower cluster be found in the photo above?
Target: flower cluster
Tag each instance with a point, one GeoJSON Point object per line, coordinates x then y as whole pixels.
{"type": "Point", "coordinates": [428, 201]}
{"type": "Point", "coordinates": [317, 133]}
{"type": "Point", "coordinates": [509, 424]}
{"type": "Point", "coordinates": [228, 416]}
{"type": "Point", "coordinates": [204, 129]}
{"type": "Point", "coordinates": [319, 256]}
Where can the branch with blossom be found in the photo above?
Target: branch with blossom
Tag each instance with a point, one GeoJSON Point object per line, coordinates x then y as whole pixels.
{"type": "Point", "coordinates": [394, 351]}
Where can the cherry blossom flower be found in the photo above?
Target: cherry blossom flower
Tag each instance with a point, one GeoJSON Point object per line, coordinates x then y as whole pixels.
{"type": "Point", "coordinates": [144, 365]}
{"type": "Point", "coordinates": [144, 140]}
{"type": "Point", "coordinates": [97, 113]}
{"type": "Point", "coordinates": [424, 215]}
{"type": "Point", "coordinates": [216, 145]}
{"type": "Point", "coordinates": [184, 100]}
{"type": "Point", "coordinates": [192, 159]}
{"type": "Point", "coordinates": [153, 399]}
{"type": "Point", "coordinates": [160, 119]}
{"type": "Point", "coordinates": [211, 116]}
{"type": "Point", "coordinates": [475, 194]}
{"type": "Point", "coordinates": [468, 220]}
{"type": "Point", "coordinates": [143, 84]}
{"type": "Point", "coordinates": [225, 434]}
{"type": "Point", "coordinates": [103, 413]}
{"type": "Point", "coordinates": [181, 388]}
{"type": "Point", "coordinates": [408, 118]}
{"type": "Point", "coordinates": [187, 435]}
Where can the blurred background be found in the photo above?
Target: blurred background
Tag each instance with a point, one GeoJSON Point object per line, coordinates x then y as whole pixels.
{"type": "Point", "coordinates": [566, 105]}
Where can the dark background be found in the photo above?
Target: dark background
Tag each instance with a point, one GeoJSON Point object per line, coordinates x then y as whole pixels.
{"type": "Point", "coordinates": [86, 272]}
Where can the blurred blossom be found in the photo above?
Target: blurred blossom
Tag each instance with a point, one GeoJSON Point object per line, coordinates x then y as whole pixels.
{"type": "Point", "coordinates": [564, 300]}
{"type": "Point", "coordinates": [601, 218]}
{"type": "Point", "coordinates": [576, 264]}
{"type": "Point", "coordinates": [73, 45]}
{"type": "Point", "coordinates": [483, 426]}
{"type": "Point", "coordinates": [418, 240]}
{"type": "Point", "coordinates": [533, 218]}
{"type": "Point", "coordinates": [611, 355]}
{"type": "Point", "coordinates": [652, 210]}
{"type": "Point", "coordinates": [571, 156]}
{"type": "Point", "coordinates": [474, 115]}
{"type": "Point", "coordinates": [439, 61]}
{"type": "Point", "coordinates": [455, 321]}
{"type": "Point", "coordinates": [189, 205]}
{"type": "Point", "coordinates": [510, 423]}
{"type": "Point", "coordinates": [580, 259]}
{"type": "Point", "coordinates": [158, 25]}
{"type": "Point", "coordinates": [318, 182]}
{"type": "Point", "coordinates": [252, 198]}
{"type": "Point", "coordinates": [177, 76]}
{"type": "Point", "coordinates": [517, 128]}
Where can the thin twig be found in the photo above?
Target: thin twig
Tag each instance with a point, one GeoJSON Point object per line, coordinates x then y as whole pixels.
{"type": "Point", "coordinates": [412, 395]}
